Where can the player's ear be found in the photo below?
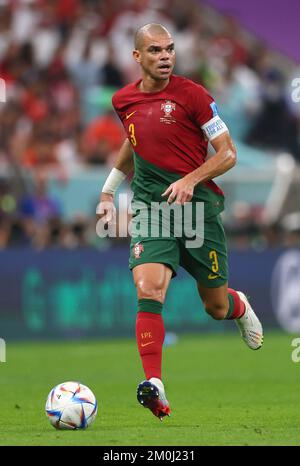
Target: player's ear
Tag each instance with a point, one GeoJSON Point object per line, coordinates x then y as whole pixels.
{"type": "Point", "coordinates": [137, 56]}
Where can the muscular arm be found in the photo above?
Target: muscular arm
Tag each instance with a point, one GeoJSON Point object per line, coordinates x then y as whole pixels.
{"type": "Point", "coordinates": [124, 161]}
{"type": "Point", "coordinates": [224, 159]}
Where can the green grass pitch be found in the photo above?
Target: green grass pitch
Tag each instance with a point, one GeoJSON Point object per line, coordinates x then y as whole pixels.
{"type": "Point", "coordinates": [221, 392]}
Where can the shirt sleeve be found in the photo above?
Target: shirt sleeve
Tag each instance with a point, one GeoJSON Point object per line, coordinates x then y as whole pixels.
{"type": "Point", "coordinates": [206, 114]}
{"type": "Point", "coordinates": [114, 102]}
{"type": "Point", "coordinates": [116, 106]}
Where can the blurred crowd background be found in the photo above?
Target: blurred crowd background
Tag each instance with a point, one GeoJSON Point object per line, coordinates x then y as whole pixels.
{"type": "Point", "coordinates": [62, 60]}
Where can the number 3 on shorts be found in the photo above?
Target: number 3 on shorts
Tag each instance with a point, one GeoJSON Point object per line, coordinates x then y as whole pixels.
{"type": "Point", "coordinates": [215, 265]}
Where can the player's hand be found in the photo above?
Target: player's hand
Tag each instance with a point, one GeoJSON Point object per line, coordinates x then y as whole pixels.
{"type": "Point", "coordinates": [180, 192]}
{"type": "Point", "coordinates": [106, 210]}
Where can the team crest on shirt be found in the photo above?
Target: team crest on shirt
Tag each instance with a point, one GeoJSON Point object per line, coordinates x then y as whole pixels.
{"type": "Point", "coordinates": [137, 250]}
{"type": "Point", "coordinates": [168, 107]}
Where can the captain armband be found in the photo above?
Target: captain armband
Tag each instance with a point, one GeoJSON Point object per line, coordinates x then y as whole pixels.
{"type": "Point", "coordinates": [214, 128]}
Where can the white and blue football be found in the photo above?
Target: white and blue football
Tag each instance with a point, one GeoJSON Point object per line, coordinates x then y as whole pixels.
{"type": "Point", "coordinates": [71, 405]}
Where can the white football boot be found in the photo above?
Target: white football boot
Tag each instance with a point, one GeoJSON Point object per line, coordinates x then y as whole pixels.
{"type": "Point", "coordinates": [249, 325]}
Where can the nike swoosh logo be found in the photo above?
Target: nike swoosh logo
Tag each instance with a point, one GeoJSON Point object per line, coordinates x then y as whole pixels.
{"type": "Point", "coordinates": [211, 276]}
{"type": "Point", "coordinates": [146, 344]}
{"type": "Point", "coordinates": [130, 114]}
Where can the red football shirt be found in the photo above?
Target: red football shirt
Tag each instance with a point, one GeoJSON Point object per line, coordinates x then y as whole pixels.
{"type": "Point", "coordinates": [164, 127]}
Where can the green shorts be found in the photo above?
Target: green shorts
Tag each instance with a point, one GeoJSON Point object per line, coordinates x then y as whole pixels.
{"type": "Point", "coordinates": [207, 263]}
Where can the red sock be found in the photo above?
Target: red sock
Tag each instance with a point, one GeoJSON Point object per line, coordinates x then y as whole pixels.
{"type": "Point", "coordinates": [150, 335]}
{"type": "Point", "coordinates": [236, 305]}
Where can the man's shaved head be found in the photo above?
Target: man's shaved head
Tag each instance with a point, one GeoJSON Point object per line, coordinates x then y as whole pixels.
{"type": "Point", "coordinates": [154, 52]}
{"type": "Point", "coordinates": [151, 29]}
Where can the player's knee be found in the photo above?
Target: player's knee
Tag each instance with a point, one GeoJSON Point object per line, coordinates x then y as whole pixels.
{"type": "Point", "coordinates": [149, 290]}
{"type": "Point", "coordinates": [217, 310]}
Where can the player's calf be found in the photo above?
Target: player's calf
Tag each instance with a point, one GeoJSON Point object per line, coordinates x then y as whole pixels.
{"type": "Point", "coordinates": [217, 310]}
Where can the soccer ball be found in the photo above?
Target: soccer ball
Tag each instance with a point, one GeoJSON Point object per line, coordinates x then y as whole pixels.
{"type": "Point", "coordinates": [71, 405]}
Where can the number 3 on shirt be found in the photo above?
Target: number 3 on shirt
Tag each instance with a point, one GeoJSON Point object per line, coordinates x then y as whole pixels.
{"type": "Point", "coordinates": [132, 134]}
